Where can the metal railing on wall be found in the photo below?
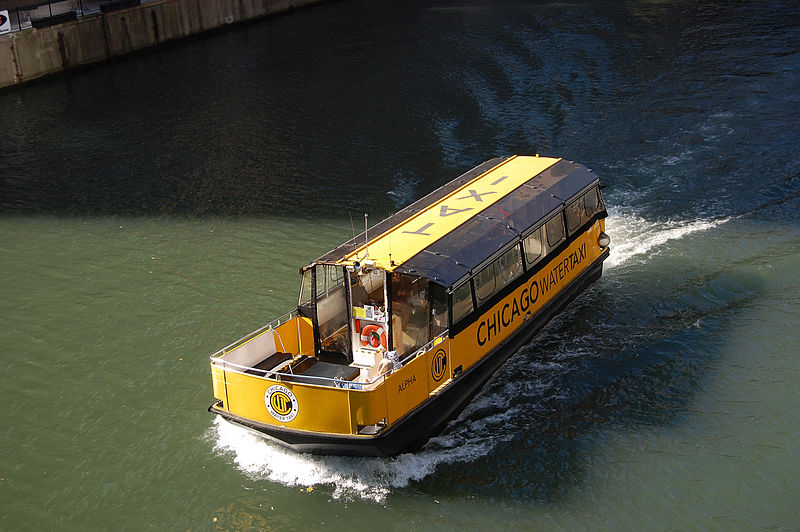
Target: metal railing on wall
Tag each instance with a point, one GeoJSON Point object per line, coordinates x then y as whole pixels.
{"type": "Point", "coordinates": [52, 12]}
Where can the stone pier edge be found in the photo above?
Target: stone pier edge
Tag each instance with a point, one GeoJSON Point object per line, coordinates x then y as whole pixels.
{"type": "Point", "coordinates": [32, 54]}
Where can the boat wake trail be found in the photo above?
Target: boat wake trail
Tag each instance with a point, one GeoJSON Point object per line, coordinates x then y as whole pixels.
{"type": "Point", "coordinates": [634, 238]}
{"type": "Point", "coordinates": [486, 421]}
{"type": "Point", "coordinates": [351, 477]}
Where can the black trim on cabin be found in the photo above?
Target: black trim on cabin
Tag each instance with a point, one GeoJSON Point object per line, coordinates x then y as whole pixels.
{"type": "Point", "coordinates": [526, 276]}
{"type": "Point", "coordinates": [414, 429]}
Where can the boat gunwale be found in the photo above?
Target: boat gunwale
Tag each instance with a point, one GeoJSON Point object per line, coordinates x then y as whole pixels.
{"type": "Point", "coordinates": [272, 325]}
{"type": "Point", "coordinates": [342, 384]}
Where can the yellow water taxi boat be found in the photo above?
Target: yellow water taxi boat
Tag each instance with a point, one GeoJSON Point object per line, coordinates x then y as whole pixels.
{"type": "Point", "coordinates": [396, 329]}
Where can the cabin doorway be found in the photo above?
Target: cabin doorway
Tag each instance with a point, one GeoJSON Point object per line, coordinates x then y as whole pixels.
{"type": "Point", "coordinates": [369, 324]}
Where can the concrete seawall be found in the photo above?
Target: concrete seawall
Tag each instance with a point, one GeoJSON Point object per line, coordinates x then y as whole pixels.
{"type": "Point", "coordinates": [30, 54]}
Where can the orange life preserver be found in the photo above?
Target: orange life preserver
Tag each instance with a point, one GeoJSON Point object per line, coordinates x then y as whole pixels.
{"type": "Point", "coordinates": [373, 336]}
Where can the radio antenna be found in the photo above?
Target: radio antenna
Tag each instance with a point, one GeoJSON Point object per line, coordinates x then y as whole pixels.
{"type": "Point", "coordinates": [352, 225]}
{"type": "Point", "coordinates": [366, 236]}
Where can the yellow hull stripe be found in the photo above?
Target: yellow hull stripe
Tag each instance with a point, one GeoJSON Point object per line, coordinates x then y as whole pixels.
{"type": "Point", "coordinates": [415, 234]}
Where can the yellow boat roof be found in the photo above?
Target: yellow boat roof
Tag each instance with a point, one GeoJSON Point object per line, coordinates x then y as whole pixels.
{"type": "Point", "coordinates": [468, 220]}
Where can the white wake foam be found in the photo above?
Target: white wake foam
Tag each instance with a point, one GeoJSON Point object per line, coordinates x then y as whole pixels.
{"type": "Point", "coordinates": [634, 237]}
{"type": "Point", "coordinates": [350, 477]}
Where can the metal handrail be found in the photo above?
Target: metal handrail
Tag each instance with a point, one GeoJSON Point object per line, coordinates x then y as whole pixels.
{"type": "Point", "coordinates": [424, 349]}
{"type": "Point", "coordinates": [274, 324]}
{"type": "Point", "coordinates": [272, 373]}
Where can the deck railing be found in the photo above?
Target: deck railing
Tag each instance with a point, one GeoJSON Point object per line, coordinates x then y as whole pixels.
{"type": "Point", "coordinates": [274, 324]}
{"type": "Point", "coordinates": [323, 381]}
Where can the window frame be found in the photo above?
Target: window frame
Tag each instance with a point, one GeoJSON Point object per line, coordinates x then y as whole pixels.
{"type": "Point", "coordinates": [468, 310]}
{"type": "Point", "coordinates": [559, 216]}
{"type": "Point", "coordinates": [536, 232]}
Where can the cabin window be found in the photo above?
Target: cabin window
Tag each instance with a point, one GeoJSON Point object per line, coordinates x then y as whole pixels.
{"type": "Point", "coordinates": [410, 313]}
{"type": "Point", "coordinates": [438, 295]}
{"type": "Point", "coordinates": [485, 283]}
{"type": "Point", "coordinates": [462, 302]}
{"type": "Point", "coordinates": [581, 210]}
{"type": "Point", "coordinates": [534, 247]}
{"type": "Point", "coordinates": [593, 201]}
{"type": "Point", "coordinates": [509, 265]}
{"type": "Point", "coordinates": [498, 274]}
{"type": "Point", "coordinates": [305, 288]}
{"type": "Point", "coordinates": [555, 230]}
{"type": "Point", "coordinates": [576, 214]}
{"type": "Point", "coordinates": [329, 279]}
{"type": "Point", "coordinates": [367, 288]}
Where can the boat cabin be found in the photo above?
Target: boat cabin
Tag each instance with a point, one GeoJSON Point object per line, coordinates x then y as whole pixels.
{"type": "Point", "coordinates": [400, 325]}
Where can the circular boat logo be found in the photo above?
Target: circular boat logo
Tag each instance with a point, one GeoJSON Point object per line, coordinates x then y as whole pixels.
{"type": "Point", "coordinates": [438, 365]}
{"type": "Point", "coordinates": [281, 403]}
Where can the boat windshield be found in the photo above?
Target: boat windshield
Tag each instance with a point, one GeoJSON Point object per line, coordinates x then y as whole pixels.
{"type": "Point", "coordinates": [328, 303]}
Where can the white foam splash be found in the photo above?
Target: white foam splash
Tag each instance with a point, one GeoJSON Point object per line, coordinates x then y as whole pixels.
{"type": "Point", "coordinates": [633, 236]}
{"type": "Point", "coordinates": [365, 478]}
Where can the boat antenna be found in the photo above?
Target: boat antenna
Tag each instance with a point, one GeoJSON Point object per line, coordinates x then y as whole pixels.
{"type": "Point", "coordinates": [366, 236]}
{"type": "Point", "coordinates": [352, 225]}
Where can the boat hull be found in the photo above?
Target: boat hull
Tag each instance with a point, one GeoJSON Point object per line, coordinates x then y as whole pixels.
{"type": "Point", "coordinates": [412, 431]}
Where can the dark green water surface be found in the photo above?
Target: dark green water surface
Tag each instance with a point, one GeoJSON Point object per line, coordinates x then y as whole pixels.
{"type": "Point", "coordinates": [155, 209]}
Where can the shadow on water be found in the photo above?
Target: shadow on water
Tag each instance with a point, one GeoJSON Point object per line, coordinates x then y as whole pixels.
{"type": "Point", "coordinates": [629, 355]}
{"type": "Point", "coordinates": [380, 103]}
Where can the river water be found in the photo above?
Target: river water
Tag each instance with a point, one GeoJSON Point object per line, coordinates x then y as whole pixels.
{"type": "Point", "coordinates": [157, 208]}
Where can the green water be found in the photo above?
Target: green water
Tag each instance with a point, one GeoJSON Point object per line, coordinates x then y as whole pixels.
{"type": "Point", "coordinates": [108, 324]}
{"type": "Point", "coordinates": [155, 209]}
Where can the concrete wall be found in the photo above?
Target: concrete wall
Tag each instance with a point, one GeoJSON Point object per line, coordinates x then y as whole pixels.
{"type": "Point", "coordinates": [33, 53]}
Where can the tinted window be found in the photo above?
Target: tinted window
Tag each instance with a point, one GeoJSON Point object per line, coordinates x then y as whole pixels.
{"type": "Point", "coordinates": [533, 247]}
{"type": "Point", "coordinates": [508, 266]}
{"type": "Point", "coordinates": [555, 230]}
{"type": "Point", "coordinates": [462, 302]}
{"type": "Point", "coordinates": [438, 296]}
{"type": "Point", "coordinates": [576, 214]}
{"type": "Point", "coordinates": [485, 284]}
{"type": "Point", "coordinates": [592, 202]}
{"type": "Point", "coordinates": [498, 274]}
{"type": "Point", "coordinates": [410, 312]}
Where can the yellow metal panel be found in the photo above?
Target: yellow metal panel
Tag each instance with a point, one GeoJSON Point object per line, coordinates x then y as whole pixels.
{"type": "Point", "coordinates": [319, 408]}
{"type": "Point", "coordinates": [369, 406]}
{"type": "Point", "coordinates": [413, 235]}
{"type": "Point", "coordinates": [218, 382]}
{"type": "Point", "coordinates": [406, 388]}
{"type": "Point", "coordinates": [306, 332]}
{"type": "Point", "coordinates": [440, 367]}
{"type": "Point", "coordinates": [286, 336]}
